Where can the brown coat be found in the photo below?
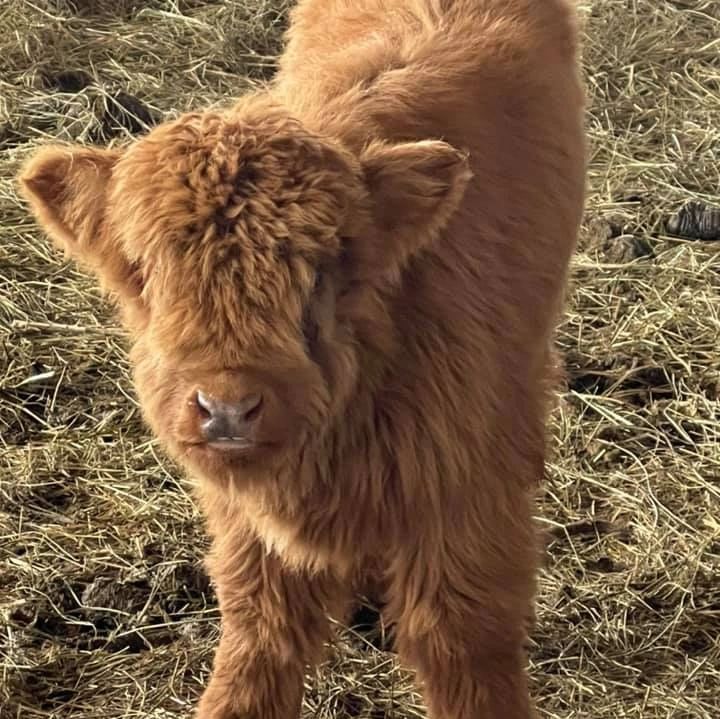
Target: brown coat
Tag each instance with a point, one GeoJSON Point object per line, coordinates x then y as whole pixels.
{"type": "Point", "coordinates": [373, 251]}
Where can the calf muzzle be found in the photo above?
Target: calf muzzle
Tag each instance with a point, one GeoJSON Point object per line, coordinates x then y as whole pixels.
{"type": "Point", "coordinates": [229, 425]}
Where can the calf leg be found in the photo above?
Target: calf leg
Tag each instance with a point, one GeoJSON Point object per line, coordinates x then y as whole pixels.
{"type": "Point", "coordinates": [462, 614]}
{"type": "Point", "coordinates": [274, 623]}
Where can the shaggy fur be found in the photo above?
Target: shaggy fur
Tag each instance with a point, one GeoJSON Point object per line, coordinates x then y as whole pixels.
{"type": "Point", "coordinates": [377, 245]}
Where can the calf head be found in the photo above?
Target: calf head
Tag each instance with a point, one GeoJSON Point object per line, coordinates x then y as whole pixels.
{"type": "Point", "coordinates": [247, 257]}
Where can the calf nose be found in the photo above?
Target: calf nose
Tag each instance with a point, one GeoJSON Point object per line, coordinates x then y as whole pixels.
{"type": "Point", "coordinates": [229, 421]}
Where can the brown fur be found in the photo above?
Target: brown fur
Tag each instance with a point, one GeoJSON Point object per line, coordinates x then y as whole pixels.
{"type": "Point", "coordinates": [378, 244]}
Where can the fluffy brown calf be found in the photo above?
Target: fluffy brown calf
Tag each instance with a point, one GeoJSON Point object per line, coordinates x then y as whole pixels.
{"type": "Point", "coordinates": [341, 294]}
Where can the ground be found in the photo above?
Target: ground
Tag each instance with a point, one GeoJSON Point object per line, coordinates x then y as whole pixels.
{"type": "Point", "coordinates": [105, 610]}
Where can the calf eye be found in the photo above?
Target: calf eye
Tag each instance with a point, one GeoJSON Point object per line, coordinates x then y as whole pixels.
{"type": "Point", "coordinates": [137, 277]}
{"type": "Point", "coordinates": [310, 327]}
{"type": "Point", "coordinates": [310, 330]}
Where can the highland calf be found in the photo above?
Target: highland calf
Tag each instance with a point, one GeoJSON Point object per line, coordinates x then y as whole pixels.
{"type": "Point", "coordinates": [341, 293]}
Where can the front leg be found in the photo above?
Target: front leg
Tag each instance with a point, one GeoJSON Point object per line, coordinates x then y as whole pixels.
{"type": "Point", "coordinates": [274, 624]}
{"type": "Point", "coordinates": [462, 605]}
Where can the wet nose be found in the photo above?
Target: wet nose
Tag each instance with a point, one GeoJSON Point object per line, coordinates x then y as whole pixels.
{"type": "Point", "coordinates": [229, 421]}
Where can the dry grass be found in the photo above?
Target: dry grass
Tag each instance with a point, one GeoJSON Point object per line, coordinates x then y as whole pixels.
{"type": "Point", "coordinates": [105, 610]}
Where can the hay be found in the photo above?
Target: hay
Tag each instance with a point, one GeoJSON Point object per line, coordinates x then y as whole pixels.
{"type": "Point", "coordinates": [105, 609]}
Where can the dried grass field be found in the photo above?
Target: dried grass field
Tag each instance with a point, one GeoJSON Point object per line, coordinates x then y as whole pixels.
{"type": "Point", "coordinates": [105, 611]}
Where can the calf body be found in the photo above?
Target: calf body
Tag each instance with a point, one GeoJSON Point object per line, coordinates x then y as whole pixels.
{"type": "Point", "coordinates": [341, 294]}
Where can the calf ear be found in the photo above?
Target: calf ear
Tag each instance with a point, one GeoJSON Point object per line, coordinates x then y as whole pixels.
{"type": "Point", "coordinates": [67, 190]}
{"type": "Point", "coordinates": [415, 188]}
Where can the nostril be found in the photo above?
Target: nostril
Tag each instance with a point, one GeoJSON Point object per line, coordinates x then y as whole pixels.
{"type": "Point", "coordinates": [252, 406]}
{"type": "Point", "coordinates": [205, 404]}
